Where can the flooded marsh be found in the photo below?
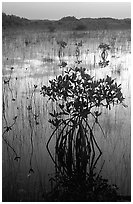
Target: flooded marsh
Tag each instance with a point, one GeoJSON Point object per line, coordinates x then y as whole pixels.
{"type": "Point", "coordinates": [30, 60]}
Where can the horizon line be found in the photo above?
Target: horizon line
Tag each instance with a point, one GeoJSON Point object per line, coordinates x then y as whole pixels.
{"type": "Point", "coordinates": [66, 17]}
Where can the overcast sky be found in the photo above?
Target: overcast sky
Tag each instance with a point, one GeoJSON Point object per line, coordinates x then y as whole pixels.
{"type": "Point", "coordinates": [57, 10]}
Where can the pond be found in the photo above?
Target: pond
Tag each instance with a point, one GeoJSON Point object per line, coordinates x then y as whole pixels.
{"type": "Point", "coordinates": [26, 164]}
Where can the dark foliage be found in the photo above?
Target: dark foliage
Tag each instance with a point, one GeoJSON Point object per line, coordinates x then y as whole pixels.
{"type": "Point", "coordinates": [95, 190]}
{"type": "Point", "coordinates": [12, 21]}
{"type": "Point", "coordinates": [104, 48]}
{"type": "Point", "coordinates": [81, 27]}
{"type": "Point", "coordinates": [66, 23]}
{"type": "Point", "coordinates": [78, 97]}
{"type": "Point", "coordinates": [78, 92]}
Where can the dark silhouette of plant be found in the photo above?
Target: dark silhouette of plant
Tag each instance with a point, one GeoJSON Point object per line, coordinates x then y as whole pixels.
{"type": "Point", "coordinates": [78, 98]}
{"type": "Point", "coordinates": [8, 127]}
{"type": "Point", "coordinates": [104, 48]}
{"type": "Point", "coordinates": [62, 44]}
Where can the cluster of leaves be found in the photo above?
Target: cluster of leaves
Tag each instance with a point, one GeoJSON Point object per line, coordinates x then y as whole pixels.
{"type": "Point", "coordinates": [77, 93]}
{"type": "Point", "coordinates": [104, 46]}
{"type": "Point", "coordinates": [62, 43]}
{"type": "Point", "coordinates": [94, 189]}
{"type": "Point", "coordinates": [104, 63]}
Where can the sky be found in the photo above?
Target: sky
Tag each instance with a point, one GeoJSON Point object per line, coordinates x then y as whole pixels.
{"type": "Point", "coordinates": [57, 10]}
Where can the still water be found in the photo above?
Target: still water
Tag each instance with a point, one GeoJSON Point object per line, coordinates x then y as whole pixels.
{"type": "Point", "coordinates": [31, 130]}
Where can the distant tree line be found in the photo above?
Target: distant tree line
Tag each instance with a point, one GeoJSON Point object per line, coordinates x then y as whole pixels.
{"type": "Point", "coordinates": [66, 23]}
{"type": "Point", "coordinates": [12, 20]}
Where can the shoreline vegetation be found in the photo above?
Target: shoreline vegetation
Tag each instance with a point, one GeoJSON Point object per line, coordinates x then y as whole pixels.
{"type": "Point", "coordinates": [69, 23]}
{"type": "Point", "coordinates": [26, 42]}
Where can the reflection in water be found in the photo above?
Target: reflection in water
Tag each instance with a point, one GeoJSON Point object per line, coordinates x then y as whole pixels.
{"type": "Point", "coordinates": [104, 54]}
{"type": "Point", "coordinates": [29, 129]}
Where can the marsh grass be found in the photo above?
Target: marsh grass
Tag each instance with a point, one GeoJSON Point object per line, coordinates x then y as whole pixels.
{"type": "Point", "coordinates": [25, 52]}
